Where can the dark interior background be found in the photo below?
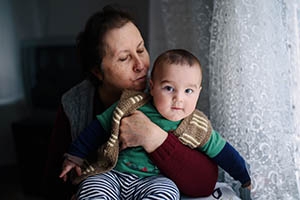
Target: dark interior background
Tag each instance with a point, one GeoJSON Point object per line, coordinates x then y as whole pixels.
{"type": "Point", "coordinates": [42, 34]}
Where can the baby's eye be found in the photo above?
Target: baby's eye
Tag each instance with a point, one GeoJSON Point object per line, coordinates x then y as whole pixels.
{"type": "Point", "coordinates": [169, 88]}
{"type": "Point", "coordinates": [189, 91]}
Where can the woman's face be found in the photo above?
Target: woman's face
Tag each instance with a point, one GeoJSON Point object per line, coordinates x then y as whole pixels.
{"type": "Point", "coordinates": [126, 61]}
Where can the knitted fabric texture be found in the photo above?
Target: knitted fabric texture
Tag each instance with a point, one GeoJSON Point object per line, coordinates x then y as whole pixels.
{"type": "Point", "coordinates": [78, 106]}
{"type": "Point", "coordinates": [194, 131]}
{"type": "Point", "coordinates": [109, 152]}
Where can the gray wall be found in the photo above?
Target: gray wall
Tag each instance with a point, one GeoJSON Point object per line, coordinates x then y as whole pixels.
{"type": "Point", "coordinates": [30, 20]}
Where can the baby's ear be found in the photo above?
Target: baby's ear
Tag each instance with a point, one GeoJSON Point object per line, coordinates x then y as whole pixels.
{"type": "Point", "coordinates": [150, 86]}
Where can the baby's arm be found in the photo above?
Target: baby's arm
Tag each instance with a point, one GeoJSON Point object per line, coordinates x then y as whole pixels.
{"type": "Point", "coordinates": [69, 164]}
{"type": "Point", "coordinates": [233, 163]}
{"type": "Point", "coordinates": [227, 158]}
{"type": "Point", "coordinates": [88, 140]}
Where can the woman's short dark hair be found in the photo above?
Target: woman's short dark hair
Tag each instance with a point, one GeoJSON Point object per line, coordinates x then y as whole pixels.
{"type": "Point", "coordinates": [90, 42]}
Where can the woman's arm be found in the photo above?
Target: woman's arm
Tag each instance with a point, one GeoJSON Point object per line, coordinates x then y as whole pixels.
{"type": "Point", "coordinates": [193, 172]}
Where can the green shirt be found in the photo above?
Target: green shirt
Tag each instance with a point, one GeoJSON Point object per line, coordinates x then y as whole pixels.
{"type": "Point", "coordinates": [135, 160]}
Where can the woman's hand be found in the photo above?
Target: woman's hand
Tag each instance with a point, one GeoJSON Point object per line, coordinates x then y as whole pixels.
{"type": "Point", "coordinates": [138, 130]}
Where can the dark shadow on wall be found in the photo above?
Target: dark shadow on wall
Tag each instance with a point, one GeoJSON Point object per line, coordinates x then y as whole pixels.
{"type": "Point", "coordinates": [50, 68]}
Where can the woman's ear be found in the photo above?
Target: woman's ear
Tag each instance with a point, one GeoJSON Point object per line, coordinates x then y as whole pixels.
{"type": "Point", "coordinates": [97, 73]}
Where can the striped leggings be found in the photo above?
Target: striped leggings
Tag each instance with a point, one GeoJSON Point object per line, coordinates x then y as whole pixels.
{"type": "Point", "coordinates": [116, 185]}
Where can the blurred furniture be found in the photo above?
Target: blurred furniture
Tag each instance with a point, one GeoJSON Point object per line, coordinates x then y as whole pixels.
{"type": "Point", "coordinates": [49, 68]}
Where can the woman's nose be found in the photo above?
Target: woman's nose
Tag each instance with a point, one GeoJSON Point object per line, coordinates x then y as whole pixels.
{"type": "Point", "coordinates": [138, 65]}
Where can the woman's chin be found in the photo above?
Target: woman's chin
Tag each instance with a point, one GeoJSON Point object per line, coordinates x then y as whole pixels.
{"type": "Point", "coordinates": [140, 87]}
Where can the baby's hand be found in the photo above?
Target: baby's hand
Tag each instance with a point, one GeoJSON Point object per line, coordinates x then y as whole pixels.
{"type": "Point", "coordinates": [67, 166]}
{"type": "Point", "coordinates": [249, 187]}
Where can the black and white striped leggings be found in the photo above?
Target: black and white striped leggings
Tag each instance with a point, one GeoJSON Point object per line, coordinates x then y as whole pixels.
{"type": "Point", "coordinates": [116, 185]}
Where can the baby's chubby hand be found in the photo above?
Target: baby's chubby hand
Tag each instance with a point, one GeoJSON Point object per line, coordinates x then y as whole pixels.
{"type": "Point", "coordinates": [68, 166]}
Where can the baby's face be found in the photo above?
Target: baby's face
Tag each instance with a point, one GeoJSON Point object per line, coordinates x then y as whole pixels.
{"type": "Point", "coordinates": [175, 89]}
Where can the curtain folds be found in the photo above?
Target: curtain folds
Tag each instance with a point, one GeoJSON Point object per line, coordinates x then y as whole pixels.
{"type": "Point", "coordinates": [252, 90]}
{"type": "Point", "coordinates": [249, 50]}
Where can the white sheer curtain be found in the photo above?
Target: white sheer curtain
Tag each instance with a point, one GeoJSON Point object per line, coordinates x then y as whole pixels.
{"type": "Point", "coordinates": [253, 90]}
{"type": "Point", "coordinates": [183, 24]}
{"type": "Point", "coordinates": [253, 80]}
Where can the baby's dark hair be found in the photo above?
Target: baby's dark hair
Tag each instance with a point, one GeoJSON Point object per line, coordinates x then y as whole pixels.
{"type": "Point", "coordinates": [90, 44]}
{"type": "Point", "coordinates": [177, 57]}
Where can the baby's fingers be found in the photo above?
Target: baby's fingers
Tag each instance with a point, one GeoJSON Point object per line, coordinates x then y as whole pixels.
{"type": "Point", "coordinates": [78, 170]}
{"type": "Point", "coordinates": [65, 171]}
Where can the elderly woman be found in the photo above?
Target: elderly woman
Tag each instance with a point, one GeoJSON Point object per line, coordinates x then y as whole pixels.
{"type": "Point", "coordinates": [114, 57]}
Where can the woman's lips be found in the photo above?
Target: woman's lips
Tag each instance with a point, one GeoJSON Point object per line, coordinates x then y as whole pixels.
{"type": "Point", "coordinates": [143, 78]}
